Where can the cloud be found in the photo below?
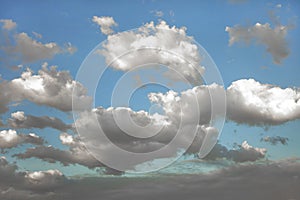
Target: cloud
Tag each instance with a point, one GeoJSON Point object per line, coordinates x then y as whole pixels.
{"type": "Point", "coordinates": [105, 24]}
{"type": "Point", "coordinates": [38, 181]}
{"type": "Point", "coordinates": [253, 103]}
{"type": "Point", "coordinates": [140, 132]}
{"type": "Point", "coordinates": [10, 139]}
{"type": "Point", "coordinates": [8, 24]}
{"type": "Point", "coordinates": [49, 88]}
{"type": "Point", "coordinates": [23, 48]}
{"type": "Point", "coordinates": [155, 44]}
{"type": "Point", "coordinates": [241, 181]}
{"type": "Point", "coordinates": [274, 140]}
{"type": "Point", "coordinates": [206, 102]}
{"type": "Point", "coordinates": [273, 39]}
{"type": "Point", "coordinates": [19, 120]}
{"type": "Point", "coordinates": [77, 154]}
{"type": "Point", "coordinates": [244, 153]}
{"type": "Point", "coordinates": [157, 13]}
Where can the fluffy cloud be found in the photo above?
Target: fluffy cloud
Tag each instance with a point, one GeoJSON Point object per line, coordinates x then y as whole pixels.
{"type": "Point", "coordinates": [21, 47]}
{"type": "Point", "coordinates": [39, 181]}
{"type": "Point", "coordinates": [10, 138]}
{"type": "Point", "coordinates": [49, 87]}
{"type": "Point", "coordinates": [77, 154]}
{"type": "Point", "coordinates": [274, 140]}
{"type": "Point", "coordinates": [244, 153]}
{"type": "Point", "coordinates": [273, 39]}
{"type": "Point", "coordinates": [44, 179]}
{"type": "Point", "coordinates": [254, 103]}
{"type": "Point", "coordinates": [155, 136]}
{"type": "Point", "coordinates": [155, 44]}
{"type": "Point", "coordinates": [20, 120]}
{"type": "Point", "coordinates": [205, 102]}
{"type": "Point", "coordinates": [105, 24]}
{"type": "Point", "coordinates": [8, 24]}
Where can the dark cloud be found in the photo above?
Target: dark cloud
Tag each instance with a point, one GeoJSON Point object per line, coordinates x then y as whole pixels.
{"type": "Point", "coordinates": [274, 140]}
{"type": "Point", "coordinates": [272, 180]}
{"type": "Point", "coordinates": [20, 120]}
{"type": "Point", "coordinates": [77, 154]}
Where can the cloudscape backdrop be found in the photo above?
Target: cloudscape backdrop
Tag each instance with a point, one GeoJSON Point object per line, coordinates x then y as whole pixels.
{"type": "Point", "coordinates": [207, 92]}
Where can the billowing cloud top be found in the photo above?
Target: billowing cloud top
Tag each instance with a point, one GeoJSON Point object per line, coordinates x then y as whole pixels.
{"type": "Point", "coordinates": [254, 103]}
{"type": "Point", "coordinates": [49, 87]}
{"type": "Point", "coordinates": [105, 24]}
{"type": "Point", "coordinates": [155, 44]}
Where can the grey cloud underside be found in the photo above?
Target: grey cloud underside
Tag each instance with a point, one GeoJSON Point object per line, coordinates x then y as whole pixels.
{"type": "Point", "coordinates": [273, 39]}
{"type": "Point", "coordinates": [244, 153]}
{"type": "Point", "coordinates": [250, 181]}
{"type": "Point", "coordinates": [25, 49]}
{"type": "Point", "coordinates": [77, 154]}
{"type": "Point", "coordinates": [16, 184]}
{"type": "Point", "coordinates": [40, 122]}
{"type": "Point", "coordinates": [274, 140]}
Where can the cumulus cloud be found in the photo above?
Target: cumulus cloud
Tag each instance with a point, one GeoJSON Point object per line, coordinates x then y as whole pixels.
{"type": "Point", "coordinates": [49, 88]}
{"type": "Point", "coordinates": [253, 103]}
{"type": "Point", "coordinates": [22, 47]}
{"type": "Point", "coordinates": [155, 44]}
{"type": "Point", "coordinates": [77, 154]}
{"type": "Point", "coordinates": [206, 102]}
{"type": "Point", "coordinates": [8, 24]}
{"type": "Point", "coordinates": [20, 120]}
{"type": "Point", "coordinates": [274, 39]}
{"type": "Point", "coordinates": [274, 140]}
{"type": "Point", "coordinates": [105, 24]}
{"type": "Point", "coordinates": [10, 139]}
{"type": "Point", "coordinates": [39, 181]}
{"type": "Point", "coordinates": [139, 132]}
{"type": "Point", "coordinates": [244, 153]}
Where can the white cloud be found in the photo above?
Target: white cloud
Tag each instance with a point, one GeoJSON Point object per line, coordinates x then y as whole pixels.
{"type": "Point", "coordinates": [155, 44]}
{"type": "Point", "coordinates": [254, 103]}
{"type": "Point", "coordinates": [158, 13]}
{"type": "Point", "coordinates": [273, 39]}
{"type": "Point", "coordinates": [10, 139]}
{"type": "Point", "coordinates": [8, 24]}
{"type": "Point", "coordinates": [20, 120]}
{"type": "Point", "coordinates": [45, 179]}
{"type": "Point", "coordinates": [244, 153]}
{"type": "Point", "coordinates": [39, 181]}
{"type": "Point", "coordinates": [105, 24]}
{"type": "Point", "coordinates": [205, 102]}
{"type": "Point", "coordinates": [49, 87]}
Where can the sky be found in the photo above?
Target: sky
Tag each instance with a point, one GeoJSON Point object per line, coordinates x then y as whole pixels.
{"type": "Point", "coordinates": [132, 95]}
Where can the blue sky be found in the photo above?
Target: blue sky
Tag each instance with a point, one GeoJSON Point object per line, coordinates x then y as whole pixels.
{"type": "Point", "coordinates": [71, 21]}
